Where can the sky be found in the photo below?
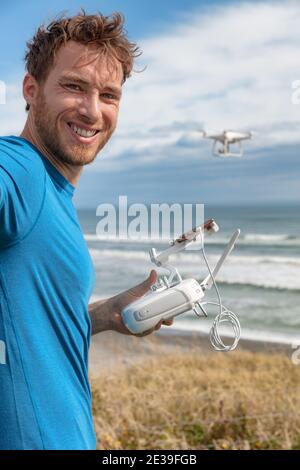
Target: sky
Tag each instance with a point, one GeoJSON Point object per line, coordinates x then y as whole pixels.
{"type": "Point", "coordinates": [208, 65]}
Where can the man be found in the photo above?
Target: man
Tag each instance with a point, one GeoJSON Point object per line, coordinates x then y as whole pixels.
{"type": "Point", "coordinates": [75, 71]}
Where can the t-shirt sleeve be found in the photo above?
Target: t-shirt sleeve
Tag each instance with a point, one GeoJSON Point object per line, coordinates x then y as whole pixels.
{"type": "Point", "coordinates": [22, 182]}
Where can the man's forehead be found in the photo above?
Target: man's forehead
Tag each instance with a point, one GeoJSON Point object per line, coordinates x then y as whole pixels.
{"type": "Point", "coordinates": [86, 61]}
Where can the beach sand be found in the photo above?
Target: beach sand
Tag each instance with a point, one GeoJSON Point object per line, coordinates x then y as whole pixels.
{"type": "Point", "coordinates": [109, 349]}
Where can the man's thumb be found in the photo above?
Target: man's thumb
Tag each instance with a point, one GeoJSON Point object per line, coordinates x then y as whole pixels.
{"type": "Point", "coordinates": [142, 288]}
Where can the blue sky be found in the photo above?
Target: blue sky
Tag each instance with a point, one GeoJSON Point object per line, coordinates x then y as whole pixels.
{"type": "Point", "coordinates": [212, 65]}
{"type": "Point", "coordinates": [143, 19]}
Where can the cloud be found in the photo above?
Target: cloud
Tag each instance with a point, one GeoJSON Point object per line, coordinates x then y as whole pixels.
{"type": "Point", "coordinates": [224, 67]}
{"type": "Point", "coordinates": [270, 175]}
{"type": "Point", "coordinates": [220, 67]}
{"type": "Point", "coordinates": [12, 112]}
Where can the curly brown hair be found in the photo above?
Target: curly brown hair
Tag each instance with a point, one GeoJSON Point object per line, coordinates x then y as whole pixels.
{"type": "Point", "coordinates": [106, 32]}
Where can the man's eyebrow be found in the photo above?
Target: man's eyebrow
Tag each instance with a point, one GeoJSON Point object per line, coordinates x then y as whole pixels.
{"type": "Point", "coordinates": [76, 78]}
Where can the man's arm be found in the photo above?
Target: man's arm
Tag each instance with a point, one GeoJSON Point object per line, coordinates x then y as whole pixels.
{"type": "Point", "coordinates": [100, 316]}
{"type": "Point", "coordinates": [106, 314]}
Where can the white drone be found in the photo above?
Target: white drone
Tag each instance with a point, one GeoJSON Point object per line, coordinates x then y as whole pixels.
{"type": "Point", "coordinates": [223, 140]}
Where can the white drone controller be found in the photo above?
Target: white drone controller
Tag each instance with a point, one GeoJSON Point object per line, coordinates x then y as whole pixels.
{"type": "Point", "coordinates": [172, 295]}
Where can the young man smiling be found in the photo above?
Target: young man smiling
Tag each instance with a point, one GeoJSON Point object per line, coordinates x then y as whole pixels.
{"type": "Point", "coordinates": [75, 71]}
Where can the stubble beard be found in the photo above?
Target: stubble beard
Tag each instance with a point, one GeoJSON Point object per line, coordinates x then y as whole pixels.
{"type": "Point", "coordinates": [77, 155]}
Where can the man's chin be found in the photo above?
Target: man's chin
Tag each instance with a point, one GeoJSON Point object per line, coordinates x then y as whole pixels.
{"type": "Point", "coordinates": [78, 160]}
{"type": "Point", "coordinates": [77, 156]}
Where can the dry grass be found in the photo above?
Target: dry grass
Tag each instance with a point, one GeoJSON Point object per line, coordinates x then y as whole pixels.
{"type": "Point", "coordinates": [240, 400]}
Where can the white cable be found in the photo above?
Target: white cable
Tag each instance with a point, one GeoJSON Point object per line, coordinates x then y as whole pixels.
{"type": "Point", "coordinates": [225, 315]}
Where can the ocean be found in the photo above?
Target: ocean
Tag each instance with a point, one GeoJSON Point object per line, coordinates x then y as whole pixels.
{"type": "Point", "coordinates": [260, 281]}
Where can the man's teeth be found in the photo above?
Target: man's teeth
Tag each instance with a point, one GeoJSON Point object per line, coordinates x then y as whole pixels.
{"type": "Point", "coordinates": [82, 132]}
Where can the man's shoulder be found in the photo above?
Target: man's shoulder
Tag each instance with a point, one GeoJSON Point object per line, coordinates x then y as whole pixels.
{"type": "Point", "coordinates": [22, 188]}
{"type": "Point", "coordinates": [18, 154]}
{"type": "Point", "coordinates": [20, 164]}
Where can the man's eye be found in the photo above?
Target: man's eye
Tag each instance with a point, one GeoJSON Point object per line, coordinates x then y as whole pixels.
{"type": "Point", "coordinates": [73, 86]}
{"type": "Point", "coordinates": [109, 96]}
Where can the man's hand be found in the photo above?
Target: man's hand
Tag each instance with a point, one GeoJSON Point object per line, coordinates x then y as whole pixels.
{"type": "Point", "coordinates": [106, 315]}
{"type": "Point", "coordinates": [122, 300]}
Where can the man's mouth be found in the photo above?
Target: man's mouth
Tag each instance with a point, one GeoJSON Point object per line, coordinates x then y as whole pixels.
{"type": "Point", "coordinates": [83, 134]}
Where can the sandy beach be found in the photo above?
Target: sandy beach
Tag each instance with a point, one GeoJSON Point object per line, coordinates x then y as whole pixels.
{"type": "Point", "coordinates": [110, 349]}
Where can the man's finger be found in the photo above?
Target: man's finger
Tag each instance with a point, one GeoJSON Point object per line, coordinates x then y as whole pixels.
{"type": "Point", "coordinates": [155, 328]}
{"type": "Point", "coordinates": [168, 322]}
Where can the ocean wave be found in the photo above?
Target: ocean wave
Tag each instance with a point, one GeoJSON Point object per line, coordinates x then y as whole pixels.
{"type": "Point", "coordinates": [193, 257]}
{"type": "Point", "coordinates": [250, 239]}
{"type": "Point", "coordinates": [269, 272]}
{"type": "Point", "coordinates": [267, 237]}
{"type": "Point", "coordinates": [271, 239]}
{"type": "Point", "coordinates": [120, 254]}
{"type": "Point", "coordinates": [90, 237]}
{"type": "Point", "coordinates": [262, 284]}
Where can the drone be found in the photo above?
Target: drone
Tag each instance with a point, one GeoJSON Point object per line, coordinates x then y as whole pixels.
{"type": "Point", "coordinates": [223, 141]}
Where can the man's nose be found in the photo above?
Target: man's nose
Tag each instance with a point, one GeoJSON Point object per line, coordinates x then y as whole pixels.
{"type": "Point", "coordinates": [90, 108]}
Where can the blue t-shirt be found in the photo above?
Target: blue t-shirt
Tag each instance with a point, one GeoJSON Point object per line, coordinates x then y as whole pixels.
{"type": "Point", "coordinates": [46, 279]}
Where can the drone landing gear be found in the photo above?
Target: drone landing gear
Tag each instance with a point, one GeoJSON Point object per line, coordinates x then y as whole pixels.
{"type": "Point", "coordinates": [223, 150]}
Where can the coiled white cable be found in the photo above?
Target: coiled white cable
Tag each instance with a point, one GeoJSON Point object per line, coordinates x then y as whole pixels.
{"type": "Point", "coordinates": [225, 315]}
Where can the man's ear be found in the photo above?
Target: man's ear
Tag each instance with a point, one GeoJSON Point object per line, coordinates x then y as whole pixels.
{"type": "Point", "coordinates": [30, 89]}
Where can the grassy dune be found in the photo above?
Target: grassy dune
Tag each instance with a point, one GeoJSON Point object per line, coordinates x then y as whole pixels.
{"type": "Point", "coordinates": [240, 400]}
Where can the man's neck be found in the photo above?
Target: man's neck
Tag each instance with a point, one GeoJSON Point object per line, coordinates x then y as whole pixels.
{"type": "Point", "coordinates": [70, 172]}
